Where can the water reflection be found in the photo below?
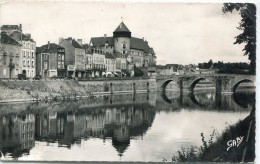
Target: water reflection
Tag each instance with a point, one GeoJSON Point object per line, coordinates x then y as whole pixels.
{"type": "Point", "coordinates": [120, 119]}
{"type": "Point", "coordinates": [210, 99]}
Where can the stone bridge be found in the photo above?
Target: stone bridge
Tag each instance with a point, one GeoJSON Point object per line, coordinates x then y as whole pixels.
{"type": "Point", "coordinates": [224, 83]}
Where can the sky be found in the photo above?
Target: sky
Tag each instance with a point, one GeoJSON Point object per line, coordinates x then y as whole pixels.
{"type": "Point", "coordinates": [180, 33]}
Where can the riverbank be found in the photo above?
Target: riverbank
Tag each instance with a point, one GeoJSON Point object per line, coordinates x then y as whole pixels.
{"type": "Point", "coordinates": [236, 144]}
{"type": "Point", "coordinates": [60, 90]}
{"type": "Point", "coordinates": [15, 91]}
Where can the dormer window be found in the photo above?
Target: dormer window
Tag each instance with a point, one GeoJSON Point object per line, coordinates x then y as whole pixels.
{"type": "Point", "coordinates": [124, 45]}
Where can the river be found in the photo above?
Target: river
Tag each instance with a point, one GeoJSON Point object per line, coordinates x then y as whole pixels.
{"type": "Point", "coordinates": [125, 127]}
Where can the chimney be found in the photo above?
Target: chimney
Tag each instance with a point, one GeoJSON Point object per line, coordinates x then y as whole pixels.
{"type": "Point", "coordinates": [28, 35]}
{"type": "Point", "coordinates": [105, 35]}
{"type": "Point", "coordinates": [48, 44]}
{"type": "Point", "coordinates": [70, 39]}
{"type": "Point", "coordinates": [79, 41]}
{"type": "Point", "coordinates": [21, 27]}
{"type": "Point", "coordinates": [60, 39]}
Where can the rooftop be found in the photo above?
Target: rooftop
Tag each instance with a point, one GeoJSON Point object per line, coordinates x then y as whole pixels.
{"type": "Point", "coordinates": [11, 27]}
{"type": "Point", "coordinates": [52, 47]}
{"type": "Point", "coordinates": [122, 28]}
{"type": "Point", "coordinates": [135, 43]}
{"type": "Point", "coordinates": [109, 55]}
{"type": "Point", "coordinates": [6, 39]}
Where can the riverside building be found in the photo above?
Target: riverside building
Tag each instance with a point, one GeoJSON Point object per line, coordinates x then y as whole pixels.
{"type": "Point", "coordinates": [27, 53]}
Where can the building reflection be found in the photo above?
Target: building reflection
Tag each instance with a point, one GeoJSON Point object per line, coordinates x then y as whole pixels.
{"type": "Point", "coordinates": [16, 134]}
{"type": "Point", "coordinates": [119, 124]}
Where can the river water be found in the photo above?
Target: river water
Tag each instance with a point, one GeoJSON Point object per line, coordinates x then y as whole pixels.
{"type": "Point", "coordinates": [126, 127]}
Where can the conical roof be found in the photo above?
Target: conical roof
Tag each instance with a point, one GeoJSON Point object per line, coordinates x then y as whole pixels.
{"type": "Point", "coordinates": [122, 28]}
{"type": "Point", "coordinates": [122, 31]}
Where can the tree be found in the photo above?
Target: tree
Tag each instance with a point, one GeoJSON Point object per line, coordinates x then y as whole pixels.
{"type": "Point", "coordinates": [248, 26]}
{"type": "Point", "coordinates": [210, 63]}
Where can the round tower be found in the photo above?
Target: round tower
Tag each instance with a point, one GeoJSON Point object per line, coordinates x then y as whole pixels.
{"type": "Point", "coordinates": [122, 36]}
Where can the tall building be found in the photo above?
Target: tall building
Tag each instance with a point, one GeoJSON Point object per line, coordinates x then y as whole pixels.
{"type": "Point", "coordinates": [10, 65]}
{"type": "Point", "coordinates": [129, 51]}
{"type": "Point", "coordinates": [74, 57]}
{"type": "Point", "coordinates": [28, 49]}
{"type": "Point", "coordinates": [50, 61]}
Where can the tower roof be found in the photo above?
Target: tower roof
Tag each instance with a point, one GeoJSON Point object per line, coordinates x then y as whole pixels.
{"type": "Point", "coordinates": [122, 28]}
{"type": "Point", "coordinates": [122, 31]}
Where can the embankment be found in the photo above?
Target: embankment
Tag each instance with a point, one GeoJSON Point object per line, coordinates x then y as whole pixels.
{"type": "Point", "coordinates": [44, 90]}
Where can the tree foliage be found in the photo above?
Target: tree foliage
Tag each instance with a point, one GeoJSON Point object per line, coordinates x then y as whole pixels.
{"type": "Point", "coordinates": [248, 27]}
{"type": "Point", "coordinates": [230, 68]}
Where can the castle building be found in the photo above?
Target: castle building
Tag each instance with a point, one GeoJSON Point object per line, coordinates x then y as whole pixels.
{"type": "Point", "coordinates": [127, 50]}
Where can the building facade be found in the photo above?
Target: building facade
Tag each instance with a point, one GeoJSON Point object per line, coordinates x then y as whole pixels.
{"type": "Point", "coordinates": [110, 64]}
{"type": "Point", "coordinates": [99, 66]}
{"type": "Point", "coordinates": [28, 49]}
{"type": "Point", "coordinates": [74, 57]}
{"type": "Point", "coordinates": [88, 61]}
{"type": "Point", "coordinates": [28, 54]}
{"type": "Point", "coordinates": [10, 65]}
{"type": "Point", "coordinates": [50, 60]}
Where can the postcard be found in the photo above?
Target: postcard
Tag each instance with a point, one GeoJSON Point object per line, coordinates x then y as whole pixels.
{"type": "Point", "coordinates": [127, 81]}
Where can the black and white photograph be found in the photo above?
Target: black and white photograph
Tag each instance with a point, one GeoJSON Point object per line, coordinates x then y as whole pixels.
{"type": "Point", "coordinates": [128, 81]}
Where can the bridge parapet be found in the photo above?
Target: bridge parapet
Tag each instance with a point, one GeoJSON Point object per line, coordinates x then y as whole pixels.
{"type": "Point", "coordinates": [225, 83]}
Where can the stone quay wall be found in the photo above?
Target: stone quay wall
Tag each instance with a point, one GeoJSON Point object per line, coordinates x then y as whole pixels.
{"type": "Point", "coordinates": [46, 90]}
{"type": "Point", "coordinates": [119, 85]}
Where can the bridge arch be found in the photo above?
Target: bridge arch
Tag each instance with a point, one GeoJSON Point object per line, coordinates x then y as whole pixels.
{"type": "Point", "coordinates": [236, 84]}
{"type": "Point", "coordinates": [165, 83]}
{"type": "Point", "coordinates": [194, 82]}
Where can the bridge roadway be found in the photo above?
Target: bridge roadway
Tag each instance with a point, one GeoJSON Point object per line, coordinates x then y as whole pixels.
{"type": "Point", "coordinates": [224, 83]}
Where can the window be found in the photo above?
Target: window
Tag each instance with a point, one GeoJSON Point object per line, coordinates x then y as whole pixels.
{"type": "Point", "coordinates": [59, 64]}
{"type": "Point", "coordinates": [45, 65]}
{"type": "Point", "coordinates": [124, 51]}
{"type": "Point", "coordinates": [28, 63]}
{"type": "Point", "coordinates": [59, 56]}
{"type": "Point", "coordinates": [62, 65]}
{"type": "Point", "coordinates": [32, 73]}
{"type": "Point", "coordinates": [62, 57]}
{"type": "Point", "coordinates": [24, 63]}
{"type": "Point", "coordinates": [11, 61]}
{"type": "Point", "coordinates": [32, 55]}
{"type": "Point", "coordinates": [16, 72]}
{"type": "Point", "coordinates": [4, 58]}
{"type": "Point", "coordinates": [124, 45]}
{"type": "Point", "coordinates": [32, 64]}
{"type": "Point", "coordinates": [46, 57]}
{"type": "Point", "coordinates": [4, 72]}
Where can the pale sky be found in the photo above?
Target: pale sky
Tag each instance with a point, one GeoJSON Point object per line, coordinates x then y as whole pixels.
{"type": "Point", "coordinates": [181, 33]}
